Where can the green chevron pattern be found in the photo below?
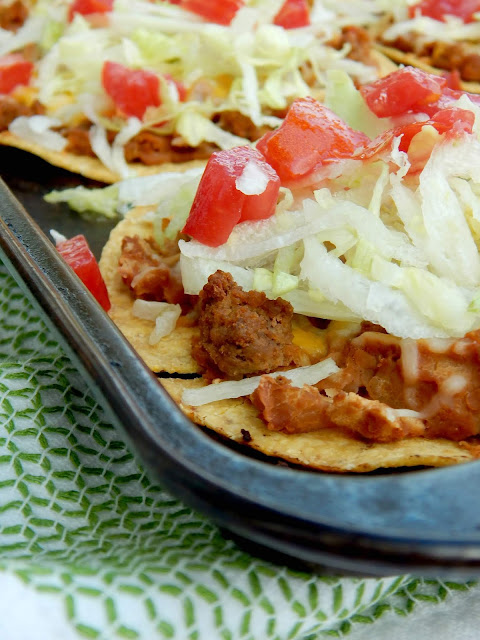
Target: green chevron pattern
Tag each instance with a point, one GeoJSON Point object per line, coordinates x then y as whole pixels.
{"type": "Point", "coordinates": [81, 522]}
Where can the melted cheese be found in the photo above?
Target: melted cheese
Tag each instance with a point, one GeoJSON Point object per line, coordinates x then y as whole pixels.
{"type": "Point", "coordinates": [409, 361]}
{"type": "Point", "coordinates": [313, 342]}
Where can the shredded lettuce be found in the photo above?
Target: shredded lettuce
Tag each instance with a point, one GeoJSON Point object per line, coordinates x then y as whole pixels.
{"type": "Point", "coordinates": [95, 202]}
{"type": "Point", "coordinates": [174, 191]}
{"type": "Point", "coordinates": [172, 213]}
{"type": "Point", "coordinates": [252, 66]}
{"type": "Point", "coordinates": [381, 245]}
{"type": "Point", "coordinates": [453, 29]}
{"type": "Point", "coordinates": [360, 240]}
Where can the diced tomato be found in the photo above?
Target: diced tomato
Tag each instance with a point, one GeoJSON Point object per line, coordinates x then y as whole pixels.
{"type": "Point", "coordinates": [219, 11]}
{"type": "Point", "coordinates": [132, 91]}
{"type": "Point", "coordinates": [219, 205]}
{"type": "Point", "coordinates": [14, 71]}
{"type": "Point", "coordinates": [77, 254]}
{"type": "Point", "coordinates": [453, 78]}
{"type": "Point", "coordinates": [407, 89]}
{"type": "Point", "coordinates": [438, 9]}
{"type": "Point", "coordinates": [293, 14]}
{"type": "Point", "coordinates": [410, 90]}
{"type": "Point", "coordinates": [449, 95]}
{"type": "Point", "coordinates": [87, 7]}
{"type": "Point", "coordinates": [446, 100]}
{"type": "Point", "coordinates": [455, 120]}
{"type": "Point", "coordinates": [311, 135]}
{"type": "Point", "coordinates": [452, 122]}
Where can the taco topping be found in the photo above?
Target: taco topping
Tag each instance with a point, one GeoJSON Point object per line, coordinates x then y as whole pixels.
{"type": "Point", "coordinates": [293, 14]}
{"type": "Point", "coordinates": [150, 275]}
{"type": "Point", "coordinates": [237, 185]}
{"type": "Point", "coordinates": [195, 75]}
{"type": "Point", "coordinates": [242, 333]}
{"type": "Point", "coordinates": [76, 253]}
{"type": "Point", "coordinates": [14, 71]}
{"type": "Point", "coordinates": [10, 109]}
{"type": "Point", "coordinates": [301, 410]}
{"type": "Point", "coordinates": [440, 10]}
{"type": "Point", "coordinates": [389, 386]}
{"type": "Point", "coordinates": [219, 12]}
{"type": "Point", "coordinates": [13, 16]}
{"type": "Point", "coordinates": [432, 389]}
{"type": "Point", "coordinates": [88, 7]}
{"type": "Point", "coordinates": [444, 35]}
{"type": "Point", "coordinates": [310, 136]}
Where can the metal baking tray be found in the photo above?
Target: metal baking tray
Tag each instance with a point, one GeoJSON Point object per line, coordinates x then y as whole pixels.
{"type": "Point", "coordinates": [422, 521]}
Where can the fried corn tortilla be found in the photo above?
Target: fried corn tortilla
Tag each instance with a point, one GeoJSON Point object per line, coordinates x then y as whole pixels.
{"type": "Point", "coordinates": [172, 353]}
{"type": "Point", "coordinates": [87, 166]}
{"type": "Point", "coordinates": [237, 419]}
{"type": "Point", "coordinates": [327, 449]}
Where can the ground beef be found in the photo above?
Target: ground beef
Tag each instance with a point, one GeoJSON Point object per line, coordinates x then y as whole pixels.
{"type": "Point", "coordinates": [150, 148]}
{"type": "Point", "coordinates": [11, 109]}
{"type": "Point", "coordinates": [78, 140]}
{"type": "Point", "coordinates": [146, 147]}
{"type": "Point", "coordinates": [13, 16]}
{"type": "Point", "coordinates": [450, 56]}
{"type": "Point", "coordinates": [240, 125]}
{"type": "Point", "coordinates": [358, 40]}
{"type": "Point", "coordinates": [300, 410]}
{"type": "Point", "coordinates": [150, 275]}
{"type": "Point", "coordinates": [380, 374]}
{"type": "Point", "coordinates": [242, 333]}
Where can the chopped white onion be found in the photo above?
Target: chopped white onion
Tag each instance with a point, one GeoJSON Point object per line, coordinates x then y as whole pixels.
{"type": "Point", "coordinates": [253, 180]}
{"type": "Point", "coordinates": [37, 129]}
{"type": "Point", "coordinates": [149, 309]}
{"type": "Point", "coordinates": [238, 388]}
{"type": "Point", "coordinates": [165, 324]}
{"type": "Point", "coordinates": [164, 315]}
{"type": "Point", "coordinates": [57, 237]}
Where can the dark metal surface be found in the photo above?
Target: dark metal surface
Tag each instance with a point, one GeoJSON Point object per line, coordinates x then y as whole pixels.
{"type": "Point", "coordinates": [424, 522]}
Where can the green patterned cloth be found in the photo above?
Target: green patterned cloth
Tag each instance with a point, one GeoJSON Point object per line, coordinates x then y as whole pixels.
{"type": "Point", "coordinates": [90, 548]}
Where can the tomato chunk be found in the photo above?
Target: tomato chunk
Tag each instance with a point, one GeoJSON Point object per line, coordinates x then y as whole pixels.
{"type": "Point", "coordinates": [132, 91]}
{"type": "Point", "coordinates": [293, 14]}
{"type": "Point", "coordinates": [407, 89]}
{"type": "Point", "coordinates": [453, 78]}
{"type": "Point", "coordinates": [438, 9]}
{"type": "Point", "coordinates": [220, 203]}
{"type": "Point", "coordinates": [455, 120]}
{"type": "Point", "coordinates": [310, 136]}
{"type": "Point", "coordinates": [219, 11]}
{"type": "Point", "coordinates": [77, 254]}
{"type": "Point", "coordinates": [14, 71]}
{"type": "Point", "coordinates": [87, 7]}
{"type": "Point", "coordinates": [452, 122]}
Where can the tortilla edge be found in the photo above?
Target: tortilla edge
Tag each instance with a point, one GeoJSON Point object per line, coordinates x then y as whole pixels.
{"type": "Point", "coordinates": [89, 167]}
